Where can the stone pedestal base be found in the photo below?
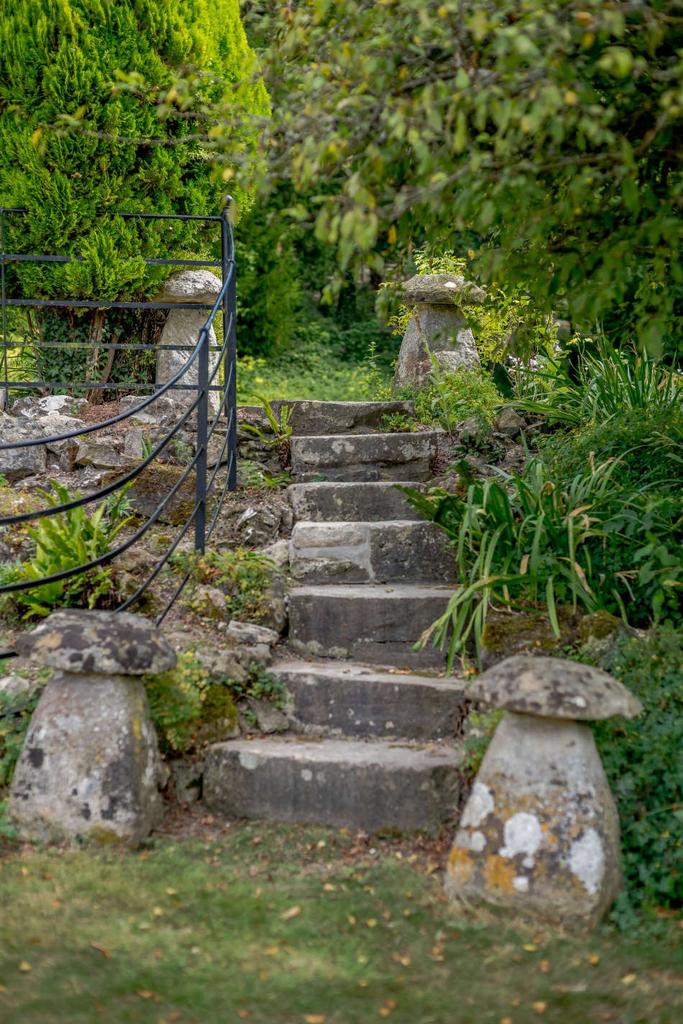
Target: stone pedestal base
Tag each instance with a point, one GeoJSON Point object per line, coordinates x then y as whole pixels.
{"type": "Point", "coordinates": [90, 767]}
{"type": "Point", "coordinates": [438, 332]}
{"type": "Point", "coordinates": [540, 833]}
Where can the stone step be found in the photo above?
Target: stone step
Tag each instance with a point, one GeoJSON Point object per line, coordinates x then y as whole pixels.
{"type": "Point", "coordinates": [369, 623]}
{"type": "Point", "coordinates": [371, 552]}
{"type": "Point", "coordinates": [313, 418]}
{"type": "Point", "coordinates": [354, 700]}
{"type": "Point", "coordinates": [347, 783]}
{"type": "Point", "coordinates": [351, 502]}
{"type": "Point", "coordinates": [364, 456]}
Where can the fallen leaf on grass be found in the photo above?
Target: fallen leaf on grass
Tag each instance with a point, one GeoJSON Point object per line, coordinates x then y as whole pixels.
{"type": "Point", "coordinates": [529, 947]}
{"type": "Point", "coordinates": [315, 1018]}
{"type": "Point", "coordinates": [287, 915]}
{"type": "Point", "coordinates": [371, 922]}
{"type": "Point", "coordinates": [398, 958]}
{"type": "Point", "coordinates": [243, 1014]}
{"type": "Point", "coordinates": [593, 959]}
{"type": "Point", "coordinates": [101, 949]}
{"type": "Point", "coordinates": [148, 993]}
{"type": "Point", "coordinates": [544, 966]}
{"type": "Point", "coordinates": [506, 1020]}
{"type": "Point", "coordinates": [539, 1007]}
{"type": "Point", "coordinates": [328, 887]}
{"type": "Point", "coordinates": [25, 967]}
{"type": "Point", "coordinates": [628, 979]}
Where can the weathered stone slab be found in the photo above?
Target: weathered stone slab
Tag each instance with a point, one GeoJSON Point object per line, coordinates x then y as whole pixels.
{"type": "Point", "coordinates": [350, 502]}
{"type": "Point", "coordinates": [354, 700]}
{"type": "Point", "coordinates": [442, 290]}
{"type": "Point", "coordinates": [376, 624]}
{"type": "Point", "coordinates": [374, 552]}
{"type": "Point", "coordinates": [364, 456]}
{"type": "Point", "coordinates": [90, 766]}
{"type": "Point", "coordinates": [540, 833]}
{"type": "Point", "coordinates": [309, 418]}
{"type": "Point", "coordinates": [554, 688]}
{"type": "Point", "coordinates": [96, 641]}
{"type": "Point", "coordinates": [358, 785]}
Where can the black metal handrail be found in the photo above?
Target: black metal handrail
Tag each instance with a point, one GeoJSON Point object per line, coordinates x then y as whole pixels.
{"type": "Point", "coordinates": [208, 381]}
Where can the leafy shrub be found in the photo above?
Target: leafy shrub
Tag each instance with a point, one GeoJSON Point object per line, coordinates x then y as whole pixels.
{"type": "Point", "coordinates": [190, 709]}
{"type": "Point", "coordinates": [245, 576]}
{"type": "Point", "coordinates": [450, 397]}
{"type": "Point", "coordinates": [529, 539]}
{"type": "Point", "coordinates": [15, 715]}
{"type": "Point", "coordinates": [649, 446]}
{"type": "Point", "coordinates": [65, 541]}
{"type": "Point", "coordinates": [280, 433]}
{"type": "Point", "coordinates": [643, 758]}
{"type": "Point", "coordinates": [606, 382]}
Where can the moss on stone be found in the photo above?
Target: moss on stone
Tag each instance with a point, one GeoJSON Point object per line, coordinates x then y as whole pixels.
{"type": "Point", "coordinates": [598, 626]}
{"type": "Point", "coordinates": [526, 632]}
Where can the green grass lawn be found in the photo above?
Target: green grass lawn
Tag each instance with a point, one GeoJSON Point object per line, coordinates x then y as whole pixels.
{"type": "Point", "coordinates": [285, 925]}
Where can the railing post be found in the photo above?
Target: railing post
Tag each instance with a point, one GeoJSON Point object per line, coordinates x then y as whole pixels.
{"type": "Point", "coordinates": [4, 396]}
{"type": "Point", "coordinates": [202, 431]}
{"type": "Point", "coordinates": [229, 334]}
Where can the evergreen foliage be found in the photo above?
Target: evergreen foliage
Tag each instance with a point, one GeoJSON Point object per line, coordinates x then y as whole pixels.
{"type": "Point", "coordinates": [80, 132]}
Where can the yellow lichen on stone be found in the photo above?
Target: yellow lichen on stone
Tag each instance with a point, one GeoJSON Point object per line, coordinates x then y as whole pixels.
{"type": "Point", "coordinates": [460, 866]}
{"type": "Point", "coordinates": [499, 874]}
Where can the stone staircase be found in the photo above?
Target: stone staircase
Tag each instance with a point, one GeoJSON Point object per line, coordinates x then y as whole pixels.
{"type": "Point", "coordinates": [375, 727]}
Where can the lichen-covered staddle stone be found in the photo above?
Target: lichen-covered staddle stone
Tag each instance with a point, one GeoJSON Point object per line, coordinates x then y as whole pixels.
{"type": "Point", "coordinates": [540, 832]}
{"type": "Point", "coordinates": [90, 766]}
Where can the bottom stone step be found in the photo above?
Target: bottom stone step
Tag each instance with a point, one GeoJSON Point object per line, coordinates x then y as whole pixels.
{"type": "Point", "coordinates": [359, 785]}
{"type": "Point", "coordinates": [354, 700]}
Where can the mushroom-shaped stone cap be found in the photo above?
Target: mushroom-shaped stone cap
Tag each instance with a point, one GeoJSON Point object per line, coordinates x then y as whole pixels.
{"type": "Point", "coordinates": [442, 290]}
{"type": "Point", "coordinates": [191, 286]}
{"type": "Point", "coordinates": [103, 643]}
{"type": "Point", "coordinates": [554, 688]}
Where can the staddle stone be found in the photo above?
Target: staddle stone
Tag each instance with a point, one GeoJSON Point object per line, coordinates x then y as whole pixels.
{"type": "Point", "coordinates": [182, 329]}
{"type": "Point", "coordinates": [90, 767]}
{"type": "Point", "coordinates": [438, 330]}
{"type": "Point", "coordinates": [540, 831]}
{"type": "Point", "coordinates": [539, 835]}
{"type": "Point", "coordinates": [98, 642]}
{"type": "Point", "coordinates": [554, 688]}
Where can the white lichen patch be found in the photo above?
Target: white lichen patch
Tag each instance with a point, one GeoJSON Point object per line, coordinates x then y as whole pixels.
{"type": "Point", "coordinates": [249, 761]}
{"type": "Point", "coordinates": [520, 883]}
{"type": "Point", "coordinates": [522, 834]}
{"type": "Point", "coordinates": [587, 860]}
{"type": "Point", "coordinates": [306, 774]}
{"type": "Point", "coordinates": [479, 806]}
{"type": "Point", "coordinates": [477, 841]}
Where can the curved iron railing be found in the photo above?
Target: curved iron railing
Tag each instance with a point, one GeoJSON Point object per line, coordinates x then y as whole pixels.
{"type": "Point", "coordinates": [208, 495]}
